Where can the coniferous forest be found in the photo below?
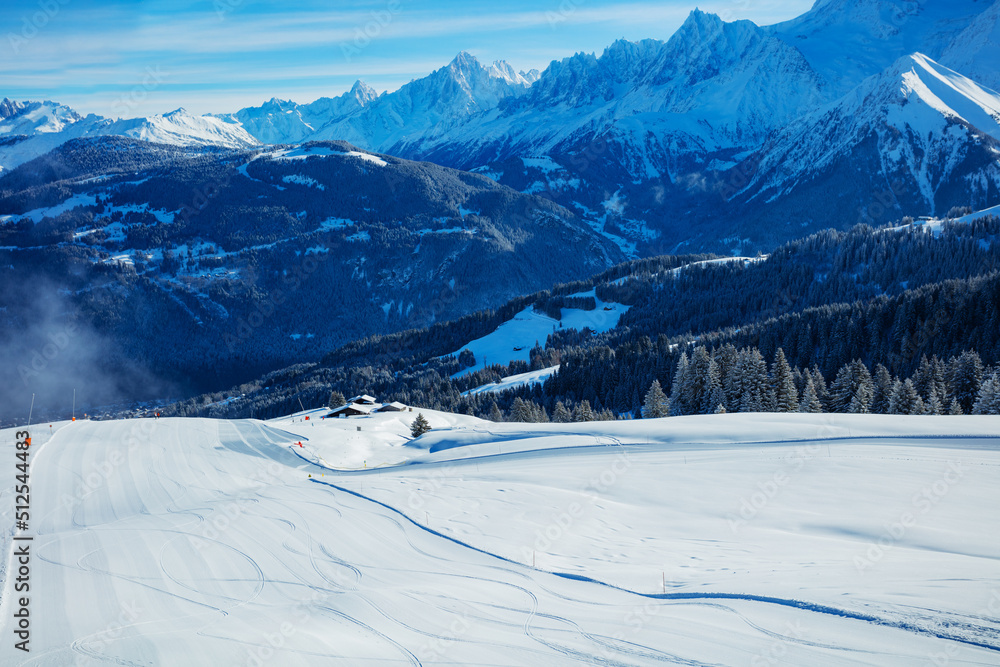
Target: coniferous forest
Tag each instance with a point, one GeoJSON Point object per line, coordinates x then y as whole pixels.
{"type": "Point", "coordinates": [896, 320]}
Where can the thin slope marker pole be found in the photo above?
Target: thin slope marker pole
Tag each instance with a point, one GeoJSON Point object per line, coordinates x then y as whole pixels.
{"type": "Point", "coordinates": [31, 409]}
{"type": "Point", "coordinates": [74, 404]}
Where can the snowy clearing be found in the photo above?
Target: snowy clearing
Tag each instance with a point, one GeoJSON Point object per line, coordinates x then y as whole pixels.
{"type": "Point", "coordinates": [514, 339]}
{"type": "Point", "coordinates": [530, 378]}
{"type": "Point", "coordinates": [722, 540]}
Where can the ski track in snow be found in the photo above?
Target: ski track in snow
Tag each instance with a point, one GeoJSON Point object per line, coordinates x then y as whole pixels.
{"type": "Point", "coordinates": [212, 532]}
{"type": "Point", "coordinates": [798, 604]}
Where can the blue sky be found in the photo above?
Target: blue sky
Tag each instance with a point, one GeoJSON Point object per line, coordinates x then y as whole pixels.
{"type": "Point", "coordinates": [216, 56]}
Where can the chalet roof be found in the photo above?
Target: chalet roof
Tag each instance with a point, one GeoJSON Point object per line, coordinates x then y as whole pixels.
{"type": "Point", "coordinates": [362, 398]}
{"type": "Point", "coordinates": [356, 407]}
{"type": "Point", "coordinates": [395, 406]}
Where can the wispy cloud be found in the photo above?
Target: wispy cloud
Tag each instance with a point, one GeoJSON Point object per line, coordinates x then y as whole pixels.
{"type": "Point", "coordinates": [89, 49]}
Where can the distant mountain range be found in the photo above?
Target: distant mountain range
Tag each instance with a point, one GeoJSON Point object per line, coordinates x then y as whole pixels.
{"type": "Point", "coordinates": [661, 139]}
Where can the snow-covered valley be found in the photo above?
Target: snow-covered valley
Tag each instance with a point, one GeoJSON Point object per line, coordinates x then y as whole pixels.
{"type": "Point", "coordinates": [727, 539]}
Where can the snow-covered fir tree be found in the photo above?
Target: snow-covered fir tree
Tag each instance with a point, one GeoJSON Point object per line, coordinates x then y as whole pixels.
{"type": "Point", "coordinates": [786, 395]}
{"type": "Point", "coordinates": [560, 414]}
{"type": "Point", "coordinates": [656, 403]}
{"type": "Point", "coordinates": [419, 426]}
{"type": "Point", "coordinates": [810, 401]}
{"type": "Point", "coordinates": [988, 400]}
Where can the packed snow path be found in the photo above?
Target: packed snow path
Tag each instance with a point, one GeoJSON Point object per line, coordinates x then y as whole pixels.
{"type": "Point", "coordinates": [207, 542]}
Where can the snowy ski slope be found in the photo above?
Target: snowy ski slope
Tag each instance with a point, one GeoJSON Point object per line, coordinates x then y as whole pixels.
{"type": "Point", "coordinates": [715, 540]}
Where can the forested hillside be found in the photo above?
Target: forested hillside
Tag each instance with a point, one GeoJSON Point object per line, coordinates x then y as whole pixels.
{"type": "Point", "coordinates": [852, 314]}
{"type": "Point", "coordinates": [185, 270]}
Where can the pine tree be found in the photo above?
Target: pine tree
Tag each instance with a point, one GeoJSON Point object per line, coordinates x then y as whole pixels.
{"type": "Point", "coordinates": [819, 384]}
{"type": "Point", "coordinates": [905, 400]}
{"type": "Point", "coordinates": [677, 390]}
{"type": "Point", "coordinates": [751, 382]}
{"type": "Point", "coordinates": [419, 426]}
{"type": "Point", "coordinates": [560, 414]}
{"type": "Point", "coordinates": [810, 401]}
{"type": "Point", "coordinates": [720, 409]}
{"type": "Point", "coordinates": [521, 411]}
{"type": "Point", "coordinates": [933, 405]}
{"type": "Point", "coordinates": [922, 377]}
{"type": "Point", "coordinates": [853, 390]}
{"type": "Point", "coordinates": [786, 396]}
{"type": "Point", "coordinates": [583, 412]}
{"type": "Point", "coordinates": [495, 414]}
{"type": "Point", "coordinates": [862, 399]}
{"type": "Point", "coordinates": [716, 398]}
{"type": "Point", "coordinates": [656, 404]}
{"type": "Point", "coordinates": [988, 400]}
{"type": "Point", "coordinates": [701, 378]}
{"type": "Point", "coordinates": [954, 408]}
{"type": "Point", "coordinates": [965, 375]}
{"type": "Point", "coordinates": [883, 391]}
{"type": "Point", "coordinates": [336, 400]}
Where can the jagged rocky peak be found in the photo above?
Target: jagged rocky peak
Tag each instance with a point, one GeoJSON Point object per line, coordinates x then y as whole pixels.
{"type": "Point", "coordinates": [363, 93]}
{"type": "Point", "coordinates": [531, 76]}
{"type": "Point", "coordinates": [10, 107]}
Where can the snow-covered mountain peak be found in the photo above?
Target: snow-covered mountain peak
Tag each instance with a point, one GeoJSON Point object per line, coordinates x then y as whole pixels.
{"type": "Point", "coordinates": [849, 40]}
{"type": "Point", "coordinates": [947, 92]}
{"type": "Point", "coordinates": [705, 45]}
{"type": "Point", "coordinates": [31, 118]}
{"type": "Point", "coordinates": [9, 107]}
{"type": "Point", "coordinates": [180, 128]}
{"type": "Point", "coordinates": [975, 52]}
{"type": "Point", "coordinates": [628, 61]}
{"type": "Point", "coordinates": [363, 93]}
{"type": "Point", "coordinates": [501, 69]}
{"type": "Point", "coordinates": [882, 18]}
{"type": "Point", "coordinates": [917, 123]}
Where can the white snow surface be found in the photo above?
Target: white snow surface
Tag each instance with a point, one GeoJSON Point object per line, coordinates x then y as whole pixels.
{"type": "Point", "coordinates": [48, 125]}
{"type": "Point", "coordinates": [721, 540]}
{"type": "Point", "coordinates": [514, 339]}
{"type": "Point", "coordinates": [516, 381]}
